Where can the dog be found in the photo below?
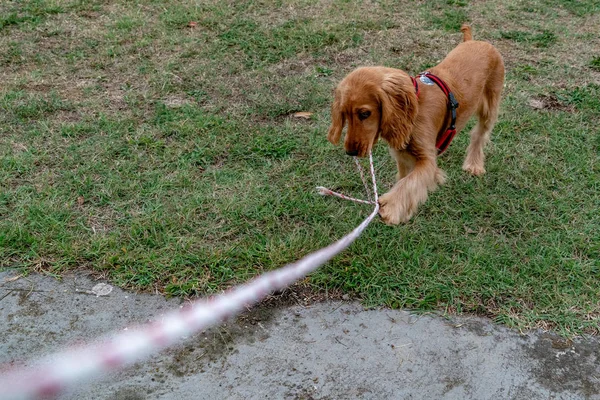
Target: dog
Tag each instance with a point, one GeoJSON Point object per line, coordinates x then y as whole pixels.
{"type": "Point", "coordinates": [411, 114]}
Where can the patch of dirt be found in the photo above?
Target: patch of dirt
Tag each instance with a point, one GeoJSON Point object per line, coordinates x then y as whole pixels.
{"type": "Point", "coordinates": [293, 67]}
{"type": "Point", "coordinates": [176, 101]}
{"type": "Point", "coordinates": [19, 148]}
{"type": "Point", "coordinates": [549, 102]}
{"type": "Point", "coordinates": [302, 294]}
{"type": "Point", "coordinates": [308, 9]}
{"type": "Point", "coordinates": [68, 116]}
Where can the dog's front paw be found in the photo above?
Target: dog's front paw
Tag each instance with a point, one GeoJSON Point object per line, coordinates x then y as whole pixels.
{"type": "Point", "coordinates": [392, 211]}
{"type": "Point", "coordinates": [473, 169]}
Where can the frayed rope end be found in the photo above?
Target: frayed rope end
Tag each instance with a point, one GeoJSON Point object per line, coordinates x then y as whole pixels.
{"type": "Point", "coordinates": [323, 191]}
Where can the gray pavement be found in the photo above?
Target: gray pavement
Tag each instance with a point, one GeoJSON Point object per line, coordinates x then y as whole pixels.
{"type": "Point", "coordinates": [329, 350]}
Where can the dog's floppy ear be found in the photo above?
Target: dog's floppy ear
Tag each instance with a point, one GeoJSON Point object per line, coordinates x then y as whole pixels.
{"type": "Point", "coordinates": [337, 119]}
{"type": "Point", "coordinates": [399, 109]}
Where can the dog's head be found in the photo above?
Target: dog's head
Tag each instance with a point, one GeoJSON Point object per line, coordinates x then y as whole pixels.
{"type": "Point", "coordinates": [373, 101]}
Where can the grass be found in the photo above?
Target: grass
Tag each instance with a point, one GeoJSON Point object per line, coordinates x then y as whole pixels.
{"type": "Point", "coordinates": [161, 154]}
{"type": "Point", "coordinates": [544, 39]}
{"type": "Point", "coordinates": [448, 15]}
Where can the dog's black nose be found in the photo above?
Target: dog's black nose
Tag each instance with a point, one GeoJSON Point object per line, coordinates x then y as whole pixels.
{"type": "Point", "coordinates": [352, 152]}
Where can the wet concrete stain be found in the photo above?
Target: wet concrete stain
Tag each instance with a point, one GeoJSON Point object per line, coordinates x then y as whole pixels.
{"type": "Point", "coordinates": [565, 365]}
{"type": "Point", "coordinates": [130, 393]}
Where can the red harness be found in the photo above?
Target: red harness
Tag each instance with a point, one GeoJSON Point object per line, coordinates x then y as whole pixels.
{"type": "Point", "coordinates": [445, 137]}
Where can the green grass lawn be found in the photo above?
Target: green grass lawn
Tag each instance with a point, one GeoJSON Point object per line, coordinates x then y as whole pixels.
{"type": "Point", "coordinates": [151, 142]}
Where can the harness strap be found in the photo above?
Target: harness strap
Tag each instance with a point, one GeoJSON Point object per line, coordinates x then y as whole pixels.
{"type": "Point", "coordinates": [416, 85]}
{"type": "Point", "coordinates": [444, 138]}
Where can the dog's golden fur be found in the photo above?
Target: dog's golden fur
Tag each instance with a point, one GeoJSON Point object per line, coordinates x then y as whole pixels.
{"type": "Point", "coordinates": [379, 101]}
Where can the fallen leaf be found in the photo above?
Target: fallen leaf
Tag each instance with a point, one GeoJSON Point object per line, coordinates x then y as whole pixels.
{"type": "Point", "coordinates": [302, 114]}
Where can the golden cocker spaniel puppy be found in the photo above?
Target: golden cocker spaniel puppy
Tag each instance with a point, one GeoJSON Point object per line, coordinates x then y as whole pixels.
{"type": "Point", "coordinates": [415, 117]}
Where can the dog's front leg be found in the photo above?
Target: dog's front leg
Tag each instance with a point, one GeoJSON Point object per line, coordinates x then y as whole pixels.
{"type": "Point", "coordinates": [404, 161]}
{"type": "Point", "coordinates": [401, 202]}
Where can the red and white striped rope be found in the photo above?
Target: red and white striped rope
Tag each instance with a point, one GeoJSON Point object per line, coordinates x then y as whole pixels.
{"type": "Point", "coordinates": [362, 178]}
{"type": "Point", "coordinates": [56, 373]}
{"type": "Point", "coordinates": [328, 192]}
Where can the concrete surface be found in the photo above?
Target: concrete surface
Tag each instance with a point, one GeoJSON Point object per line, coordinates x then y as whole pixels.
{"type": "Point", "coordinates": [330, 350]}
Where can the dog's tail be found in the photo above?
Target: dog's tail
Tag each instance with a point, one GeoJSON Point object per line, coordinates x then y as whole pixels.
{"type": "Point", "coordinates": [467, 34]}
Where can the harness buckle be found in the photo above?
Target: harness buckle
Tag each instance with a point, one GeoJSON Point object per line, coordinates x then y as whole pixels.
{"type": "Point", "coordinates": [453, 102]}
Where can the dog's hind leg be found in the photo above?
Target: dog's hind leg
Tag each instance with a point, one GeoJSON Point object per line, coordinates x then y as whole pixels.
{"type": "Point", "coordinates": [487, 115]}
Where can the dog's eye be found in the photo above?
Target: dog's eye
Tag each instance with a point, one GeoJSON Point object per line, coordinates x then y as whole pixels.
{"type": "Point", "coordinates": [364, 114]}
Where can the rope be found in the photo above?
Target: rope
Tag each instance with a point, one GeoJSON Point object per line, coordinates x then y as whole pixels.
{"type": "Point", "coordinates": [362, 177]}
{"type": "Point", "coordinates": [56, 373]}
{"type": "Point", "coordinates": [328, 192]}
